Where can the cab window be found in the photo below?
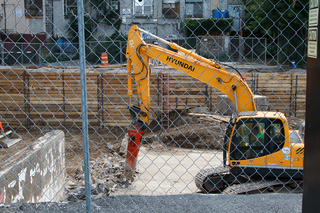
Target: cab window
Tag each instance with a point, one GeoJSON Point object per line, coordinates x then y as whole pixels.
{"type": "Point", "coordinates": [249, 140]}
{"type": "Point", "coordinates": [254, 138]}
{"type": "Point", "coordinates": [250, 134]}
{"type": "Point", "coordinates": [276, 136]}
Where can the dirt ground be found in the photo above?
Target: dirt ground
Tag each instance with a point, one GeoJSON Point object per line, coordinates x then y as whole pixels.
{"type": "Point", "coordinates": [185, 131]}
{"type": "Point", "coordinates": [107, 147]}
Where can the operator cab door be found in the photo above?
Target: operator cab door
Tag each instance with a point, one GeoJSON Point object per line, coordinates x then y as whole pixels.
{"type": "Point", "coordinates": [276, 143]}
{"type": "Point", "coordinates": [254, 140]}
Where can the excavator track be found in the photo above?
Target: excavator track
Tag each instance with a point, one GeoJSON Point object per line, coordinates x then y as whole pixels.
{"type": "Point", "coordinates": [214, 179]}
{"type": "Point", "coordinates": [251, 186]}
{"type": "Point", "coordinates": [220, 180]}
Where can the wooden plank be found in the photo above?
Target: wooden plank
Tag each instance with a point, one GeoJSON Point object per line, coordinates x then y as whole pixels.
{"type": "Point", "coordinates": [280, 86]}
{"type": "Point", "coordinates": [12, 103]}
{"type": "Point", "coordinates": [277, 75]}
{"type": "Point", "coordinates": [214, 117]}
{"type": "Point", "coordinates": [47, 88]}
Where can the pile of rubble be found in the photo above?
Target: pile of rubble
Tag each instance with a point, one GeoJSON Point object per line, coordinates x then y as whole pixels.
{"type": "Point", "coordinates": [106, 176]}
{"type": "Point", "coordinates": [197, 129]}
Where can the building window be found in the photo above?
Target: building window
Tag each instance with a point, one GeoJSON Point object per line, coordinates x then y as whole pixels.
{"type": "Point", "coordinates": [194, 8]}
{"type": "Point", "coordinates": [143, 7]}
{"type": "Point", "coordinates": [70, 5]}
{"type": "Point", "coordinates": [33, 7]}
{"type": "Point", "coordinates": [171, 8]}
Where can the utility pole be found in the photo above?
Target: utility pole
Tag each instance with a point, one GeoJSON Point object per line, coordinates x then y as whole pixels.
{"type": "Point", "coordinates": [311, 172]}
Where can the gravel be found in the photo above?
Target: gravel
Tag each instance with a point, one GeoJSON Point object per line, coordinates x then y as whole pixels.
{"type": "Point", "coordinates": [173, 203]}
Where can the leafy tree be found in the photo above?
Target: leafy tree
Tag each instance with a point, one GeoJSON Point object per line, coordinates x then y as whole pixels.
{"type": "Point", "coordinates": [102, 12]}
{"type": "Point", "coordinates": [110, 44]}
{"type": "Point", "coordinates": [202, 26]}
{"type": "Point", "coordinates": [73, 26]}
{"type": "Point", "coordinates": [105, 12]}
{"type": "Point", "coordinates": [283, 23]}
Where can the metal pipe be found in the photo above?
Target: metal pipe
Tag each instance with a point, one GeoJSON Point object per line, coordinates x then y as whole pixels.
{"type": "Point", "coordinates": [102, 102]}
{"type": "Point", "coordinates": [161, 91]}
{"type": "Point", "coordinates": [235, 100]}
{"type": "Point", "coordinates": [99, 105]}
{"type": "Point", "coordinates": [130, 92]}
{"type": "Point", "coordinates": [154, 36]}
{"type": "Point", "coordinates": [63, 99]}
{"type": "Point", "coordinates": [295, 97]}
{"type": "Point", "coordinates": [168, 92]}
{"type": "Point", "coordinates": [84, 106]}
{"type": "Point", "coordinates": [2, 52]}
{"type": "Point", "coordinates": [5, 16]}
{"type": "Point", "coordinates": [291, 83]}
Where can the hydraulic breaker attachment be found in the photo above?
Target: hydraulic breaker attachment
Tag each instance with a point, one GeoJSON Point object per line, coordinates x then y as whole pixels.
{"type": "Point", "coordinates": [135, 134]}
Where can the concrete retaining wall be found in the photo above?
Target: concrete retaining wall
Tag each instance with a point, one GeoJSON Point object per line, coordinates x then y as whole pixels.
{"type": "Point", "coordinates": [227, 107]}
{"type": "Point", "coordinates": [36, 173]}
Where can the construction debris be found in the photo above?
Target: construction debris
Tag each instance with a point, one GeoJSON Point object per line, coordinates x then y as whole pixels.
{"type": "Point", "coordinates": [8, 138]}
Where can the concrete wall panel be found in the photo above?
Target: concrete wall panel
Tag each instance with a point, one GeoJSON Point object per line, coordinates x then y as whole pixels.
{"type": "Point", "coordinates": [36, 174]}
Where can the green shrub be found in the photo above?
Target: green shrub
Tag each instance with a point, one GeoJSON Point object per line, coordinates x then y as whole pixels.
{"type": "Point", "coordinates": [49, 59]}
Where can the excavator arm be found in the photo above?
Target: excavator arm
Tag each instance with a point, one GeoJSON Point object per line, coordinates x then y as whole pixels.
{"type": "Point", "coordinates": [208, 71]}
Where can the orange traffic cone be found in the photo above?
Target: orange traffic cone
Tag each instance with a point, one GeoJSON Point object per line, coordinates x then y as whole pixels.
{"type": "Point", "coordinates": [104, 59]}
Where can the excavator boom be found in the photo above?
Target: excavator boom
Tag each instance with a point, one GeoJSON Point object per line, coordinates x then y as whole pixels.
{"type": "Point", "coordinates": [198, 67]}
{"type": "Point", "coordinates": [208, 71]}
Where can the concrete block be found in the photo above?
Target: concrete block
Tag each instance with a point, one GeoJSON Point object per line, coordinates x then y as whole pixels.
{"type": "Point", "coordinates": [262, 102]}
{"type": "Point", "coordinates": [226, 107]}
{"type": "Point", "coordinates": [36, 173]}
{"type": "Point", "coordinates": [9, 138]}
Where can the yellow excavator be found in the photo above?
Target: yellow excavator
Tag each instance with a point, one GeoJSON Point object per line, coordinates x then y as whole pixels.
{"type": "Point", "coordinates": [258, 151]}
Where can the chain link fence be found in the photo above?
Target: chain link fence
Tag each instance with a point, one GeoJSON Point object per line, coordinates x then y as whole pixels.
{"type": "Point", "coordinates": [48, 155]}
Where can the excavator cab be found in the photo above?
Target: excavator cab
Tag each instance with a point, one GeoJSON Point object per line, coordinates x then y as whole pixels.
{"type": "Point", "coordinates": [258, 146]}
{"type": "Point", "coordinates": [252, 139]}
